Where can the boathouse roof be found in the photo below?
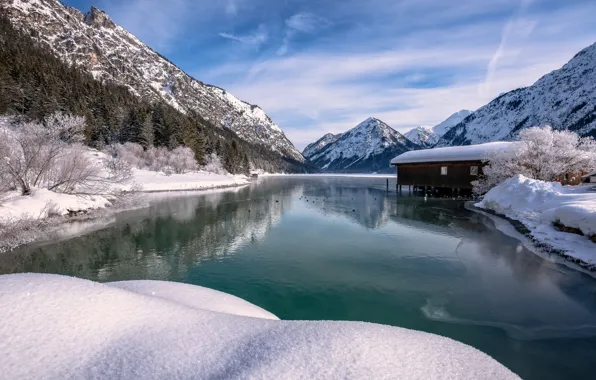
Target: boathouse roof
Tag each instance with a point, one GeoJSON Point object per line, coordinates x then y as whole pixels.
{"type": "Point", "coordinates": [454, 153]}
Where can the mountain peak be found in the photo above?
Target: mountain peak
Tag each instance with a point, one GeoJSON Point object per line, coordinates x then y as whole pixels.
{"type": "Point", "coordinates": [426, 136]}
{"type": "Point", "coordinates": [99, 19]}
{"type": "Point", "coordinates": [368, 147]}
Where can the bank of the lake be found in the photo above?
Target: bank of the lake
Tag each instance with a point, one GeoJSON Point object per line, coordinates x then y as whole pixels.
{"type": "Point", "coordinates": [343, 248]}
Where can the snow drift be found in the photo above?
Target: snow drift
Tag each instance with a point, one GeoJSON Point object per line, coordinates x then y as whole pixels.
{"type": "Point", "coordinates": [60, 327]}
{"type": "Point", "coordinates": [539, 204]}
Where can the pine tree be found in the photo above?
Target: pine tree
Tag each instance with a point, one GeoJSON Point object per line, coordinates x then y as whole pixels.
{"type": "Point", "coordinates": [147, 136]}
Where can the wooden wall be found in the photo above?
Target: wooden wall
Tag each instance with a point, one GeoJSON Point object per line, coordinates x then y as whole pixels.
{"type": "Point", "coordinates": [429, 174]}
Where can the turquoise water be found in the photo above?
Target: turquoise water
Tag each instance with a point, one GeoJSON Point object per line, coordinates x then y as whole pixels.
{"type": "Point", "coordinates": [344, 249]}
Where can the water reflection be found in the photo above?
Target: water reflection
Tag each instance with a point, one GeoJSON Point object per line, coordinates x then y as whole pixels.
{"type": "Point", "coordinates": [346, 249]}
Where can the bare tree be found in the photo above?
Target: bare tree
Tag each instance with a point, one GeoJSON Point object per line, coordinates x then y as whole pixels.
{"type": "Point", "coordinates": [542, 154]}
{"type": "Point", "coordinates": [52, 156]}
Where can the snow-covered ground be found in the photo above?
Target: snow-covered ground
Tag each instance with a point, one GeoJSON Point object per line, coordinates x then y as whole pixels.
{"type": "Point", "coordinates": [61, 327]}
{"type": "Point", "coordinates": [156, 181]}
{"type": "Point", "coordinates": [539, 204]}
{"type": "Point", "coordinates": [43, 203]}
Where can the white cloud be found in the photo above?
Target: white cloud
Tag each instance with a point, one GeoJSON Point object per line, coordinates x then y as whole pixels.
{"type": "Point", "coordinates": [257, 38]}
{"type": "Point", "coordinates": [300, 23]}
{"type": "Point", "coordinates": [306, 22]}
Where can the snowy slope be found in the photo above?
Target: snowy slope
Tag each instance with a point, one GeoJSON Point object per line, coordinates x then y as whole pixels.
{"type": "Point", "coordinates": [427, 137]}
{"type": "Point", "coordinates": [95, 43]}
{"type": "Point", "coordinates": [539, 204]}
{"type": "Point", "coordinates": [61, 327]}
{"type": "Point", "coordinates": [367, 147]}
{"type": "Point", "coordinates": [564, 99]}
{"type": "Point", "coordinates": [313, 148]}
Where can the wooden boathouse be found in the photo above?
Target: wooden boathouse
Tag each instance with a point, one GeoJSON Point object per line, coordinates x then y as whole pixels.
{"type": "Point", "coordinates": [448, 170]}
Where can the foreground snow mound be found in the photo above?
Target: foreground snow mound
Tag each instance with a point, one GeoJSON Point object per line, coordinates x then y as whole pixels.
{"type": "Point", "coordinates": [57, 327]}
{"type": "Point", "coordinates": [539, 204]}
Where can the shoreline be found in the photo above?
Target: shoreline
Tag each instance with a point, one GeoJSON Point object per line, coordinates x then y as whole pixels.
{"type": "Point", "coordinates": [538, 247]}
{"type": "Point", "coordinates": [40, 230]}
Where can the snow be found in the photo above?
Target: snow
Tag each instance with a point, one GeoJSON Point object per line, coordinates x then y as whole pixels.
{"type": "Point", "coordinates": [538, 204]}
{"type": "Point", "coordinates": [150, 181]}
{"type": "Point", "coordinates": [457, 153]}
{"type": "Point", "coordinates": [43, 202]}
{"type": "Point", "coordinates": [427, 136]}
{"type": "Point", "coordinates": [61, 327]}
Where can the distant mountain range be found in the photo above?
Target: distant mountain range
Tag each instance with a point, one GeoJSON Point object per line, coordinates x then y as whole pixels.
{"type": "Point", "coordinates": [563, 99]}
{"type": "Point", "coordinates": [366, 148]}
{"type": "Point", "coordinates": [427, 137]}
{"type": "Point", "coordinates": [94, 43]}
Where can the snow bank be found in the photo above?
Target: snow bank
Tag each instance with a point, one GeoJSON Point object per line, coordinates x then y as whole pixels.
{"type": "Point", "coordinates": [157, 181]}
{"type": "Point", "coordinates": [539, 204]}
{"type": "Point", "coordinates": [43, 203]}
{"type": "Point", "coordinates": [455, 153]}
{"type": "Point", "coordinates": [60, 327]}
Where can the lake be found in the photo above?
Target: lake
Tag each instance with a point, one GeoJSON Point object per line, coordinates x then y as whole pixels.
{"type": "Point", "coordinates": [341, 248]}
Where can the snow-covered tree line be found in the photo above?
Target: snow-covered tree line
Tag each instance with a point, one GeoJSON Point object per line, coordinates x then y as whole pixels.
{"type": "Point", "coordinates": [543, 154]}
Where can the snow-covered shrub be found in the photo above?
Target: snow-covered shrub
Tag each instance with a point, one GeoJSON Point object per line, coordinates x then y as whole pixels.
{"type": "Point", "coordinates": [30, 151]}
{"type": "Point", "coordinates": [158, 159]}
{"type": "Point", "coordinates": [182, 160]}
{"type": "Point", "coordinates": [51, 156]}
{"type": "Point", "coordinates": [214, 164]}
{"type": "Point", "coordinates": [542, 154]}
{"type": "Point", "coordinates": [68, 128]}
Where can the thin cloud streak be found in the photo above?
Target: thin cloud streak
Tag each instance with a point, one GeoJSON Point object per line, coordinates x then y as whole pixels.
{"type": "Point", "coordinates": [256, 39]}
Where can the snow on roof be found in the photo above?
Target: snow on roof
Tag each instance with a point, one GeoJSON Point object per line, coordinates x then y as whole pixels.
{"type": "Point", "coordinates": [454, 153]}
{"type": "Point", "coordinates": [62, 327]}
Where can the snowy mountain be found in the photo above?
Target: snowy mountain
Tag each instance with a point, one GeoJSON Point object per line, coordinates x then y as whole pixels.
{"type": "Point", "coordinates": [427, 137]}
{"type": "Point", "coordinates": [93, 42]}
{"type": "Point", "coordinates": [423, 136]}
{"type": "Point", "coordinates": [313, 148]}
{"type": "Point", "coordinates": [366, 148]}
{"type": "Point", "coordinates": [564, 99]}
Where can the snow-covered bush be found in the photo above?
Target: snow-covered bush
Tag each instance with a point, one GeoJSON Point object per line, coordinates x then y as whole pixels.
{"type": "Point", "coordinates": [68, 128]}
{"type": "Point", "coordinates": [182, 160]}
{"type": "Point", "coordinates": [29, 152]}
{"type": "Point", "coordinates": [51, 156]}
{"type": "Point", "coordinates": [179, 160]}
{"type": "Point", "coordinates": [542, 154]}
{"type": "Point", "coordinates": [214, 164]}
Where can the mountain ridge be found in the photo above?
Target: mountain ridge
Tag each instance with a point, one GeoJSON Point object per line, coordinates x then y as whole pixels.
{"type": "Point", "coordinates": [109, 52]}
{"type": "Point", "coordinates": [564, 99]}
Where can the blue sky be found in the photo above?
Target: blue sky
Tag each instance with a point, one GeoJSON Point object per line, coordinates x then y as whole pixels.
{"type": "Point", "coordinates": [318, 66]}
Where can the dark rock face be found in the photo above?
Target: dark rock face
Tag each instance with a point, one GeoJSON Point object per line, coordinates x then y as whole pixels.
{"type": "Point", "coordinates": [98, 19]}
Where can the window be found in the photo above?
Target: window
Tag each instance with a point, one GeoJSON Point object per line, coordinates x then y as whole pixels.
{"type": "Point", "coordinates": [443, 170]}
{"type": "Point", "coordinates": [473, 170]}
